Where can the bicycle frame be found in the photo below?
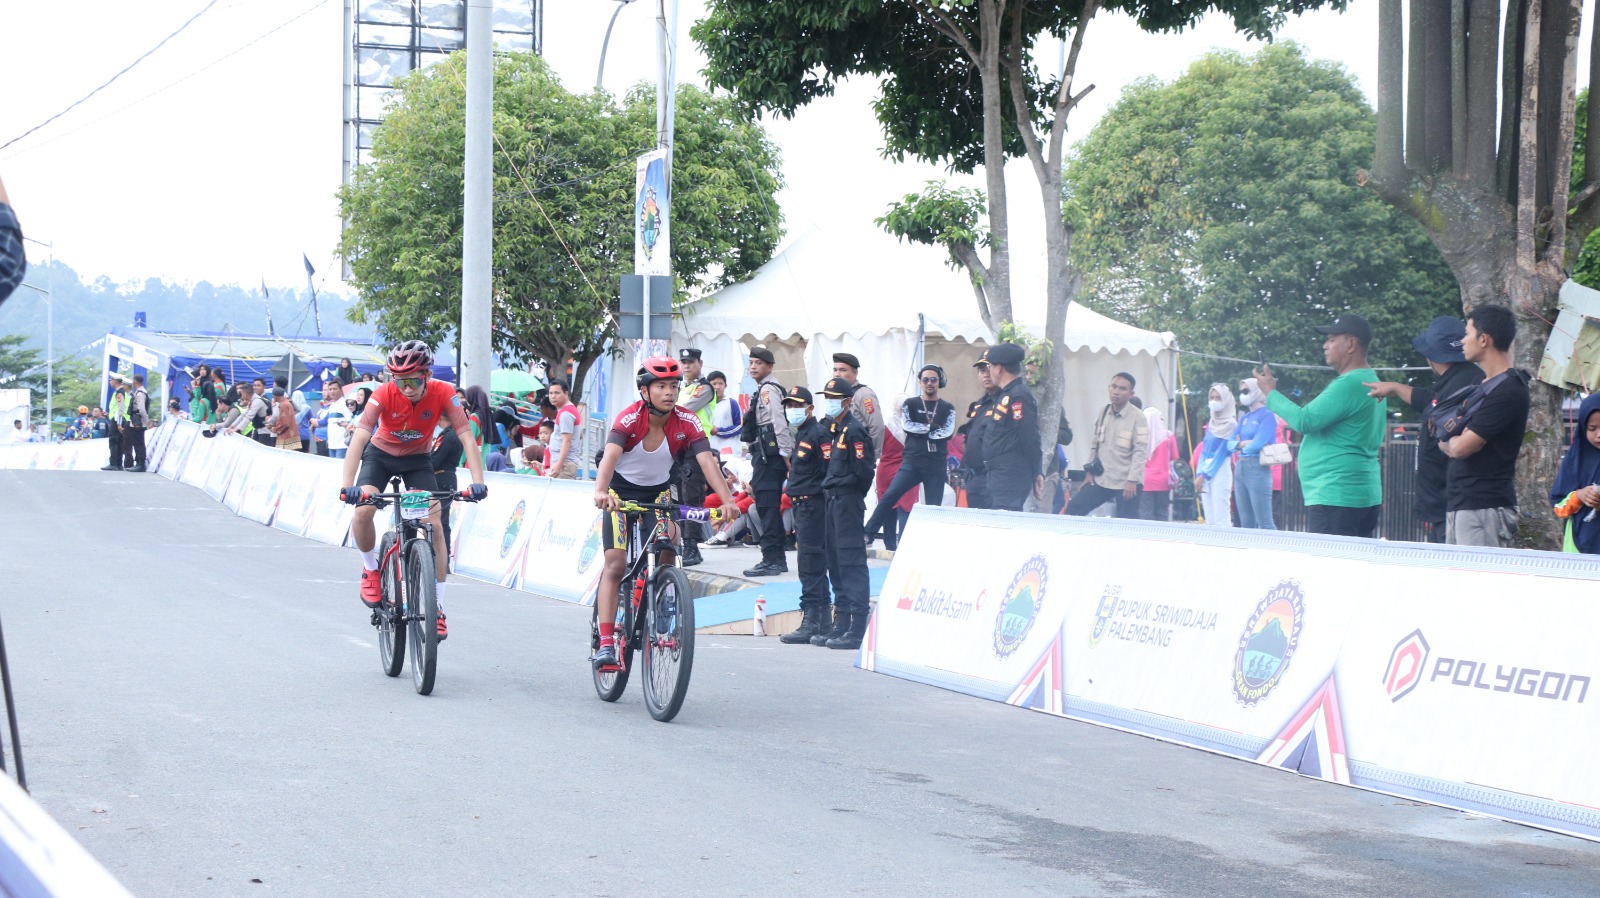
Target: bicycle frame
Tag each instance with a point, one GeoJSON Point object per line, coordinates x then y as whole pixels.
{"type": "Point", "coordinates": [643, 562]}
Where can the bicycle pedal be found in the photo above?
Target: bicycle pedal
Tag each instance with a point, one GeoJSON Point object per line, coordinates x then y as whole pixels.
{"type": "Point", "coordinates": [610, 668]}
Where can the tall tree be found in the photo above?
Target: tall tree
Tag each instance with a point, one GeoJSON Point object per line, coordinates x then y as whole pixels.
{"type": "Point", "coordinates": [563, 207]}
{"type": "Point", "coordinates": [960, 86]}
{"type": "Point", "coordinates": [1484, 163]}
{"type": "Point", "coordinates": [1223, 205]}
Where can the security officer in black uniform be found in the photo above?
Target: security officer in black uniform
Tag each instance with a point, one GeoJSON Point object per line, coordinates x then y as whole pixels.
{"type": "Point", "coordinates": [851, 467]}
{"type": "Point", "coordinates": [972, 476]}
{"type": "Point", "coordinates": [1010, 443]}
{"type": "Point", "coordinates": [807, 467]}
{"type": "Point", "coordinates": [687, 477]}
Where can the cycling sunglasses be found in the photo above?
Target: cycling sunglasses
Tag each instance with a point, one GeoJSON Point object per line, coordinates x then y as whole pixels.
{"type": "Point", "coordinates": [410, 383]}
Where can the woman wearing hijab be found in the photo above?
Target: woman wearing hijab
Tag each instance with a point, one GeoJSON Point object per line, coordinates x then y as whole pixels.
{"type": "Point", "coordinates": [346, 373]}
{"type": "Point", "coordinates": [1156, 501]}
{"type": "Point", "coordinates": [481, 412]}
{"type": "Point", "coordinates": [1258, 429]}
{"type": "Point", "coordinates": [1576, 491]}
{"type": "Point", "coordinates": [1213, 479]}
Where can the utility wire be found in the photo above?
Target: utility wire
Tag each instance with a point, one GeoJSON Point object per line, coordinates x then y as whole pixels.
{"type": "Point", "coordinates": [219, 60]}
{"type": "Point", "coordinates": [113, 78]}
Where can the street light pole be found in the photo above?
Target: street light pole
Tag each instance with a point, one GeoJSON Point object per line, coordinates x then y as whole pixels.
{"type": "Point", "coordinates": [49, 331]}
{"type": "Point", "coordinates": [599, 76]}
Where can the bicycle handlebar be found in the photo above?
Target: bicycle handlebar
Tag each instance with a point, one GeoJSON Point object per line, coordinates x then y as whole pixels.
{"type": "Point", "coordinates": [380, 500]}
{"type": "Point", "coordinates": [680, 512]}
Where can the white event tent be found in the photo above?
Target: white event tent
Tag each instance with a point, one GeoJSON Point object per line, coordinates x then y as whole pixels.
{"type": "Point", "coordinates": [870, 294]}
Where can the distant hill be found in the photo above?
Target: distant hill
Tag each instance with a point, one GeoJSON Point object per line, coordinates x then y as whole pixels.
{"type": "Point", "coordinates": [84, 312]}
{"type": "Point", "coordinates": [1271, 640]}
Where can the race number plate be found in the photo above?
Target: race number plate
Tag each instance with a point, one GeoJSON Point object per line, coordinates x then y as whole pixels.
{"type": "Point", "coordinates": [414, 505]}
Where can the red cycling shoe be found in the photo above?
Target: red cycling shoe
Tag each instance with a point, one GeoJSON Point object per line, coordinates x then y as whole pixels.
{"type": "Point", "coordinates": [371, 588]}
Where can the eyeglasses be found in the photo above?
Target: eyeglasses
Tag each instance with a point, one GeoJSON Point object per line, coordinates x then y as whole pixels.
{"type": "Point", "coordinates": [350, 404]}
{"type": "Point", "coordinates": [410, 383]}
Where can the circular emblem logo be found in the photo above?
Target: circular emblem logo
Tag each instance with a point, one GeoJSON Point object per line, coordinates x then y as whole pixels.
{"type": "Point", "coordinates": [1019, 607]}
{"type": "Point", "coordinates": [1268, 643]}
{"type": "Point", "coordinates": [591, 545]}
{"type": "Point", "coordinates": [509, 539]}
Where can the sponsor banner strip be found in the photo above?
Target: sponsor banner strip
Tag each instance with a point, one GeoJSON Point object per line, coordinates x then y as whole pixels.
{"type": "Point", "coordinates": [1355, 661]}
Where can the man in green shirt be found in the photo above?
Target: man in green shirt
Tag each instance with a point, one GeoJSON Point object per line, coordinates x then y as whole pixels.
{"type": "Point", "coordinates": [1343, 429]}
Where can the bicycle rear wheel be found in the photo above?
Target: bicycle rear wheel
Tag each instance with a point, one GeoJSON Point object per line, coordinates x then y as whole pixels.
{"type": "Point", "coordinates": [610, 684]}
{"type": "Point", "coordinates": [422, 601]}
{"type": "Point", "coordinates": [667, 654]}
{"type": "Point", "coordinates": [389, 615]}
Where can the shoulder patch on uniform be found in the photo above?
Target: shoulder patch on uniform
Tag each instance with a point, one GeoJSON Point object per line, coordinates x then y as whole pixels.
{"type": "Point", "coordinates": [861, 450]}
{"type": "Point", "coordinates": [868, 404]}
{"type": "Point", "coordinates": [1016, 412]}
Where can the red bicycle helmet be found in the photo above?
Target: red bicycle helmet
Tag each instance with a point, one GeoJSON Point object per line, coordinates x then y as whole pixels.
{"type": "Point", "coordinates": [658, 368]}
{"type": "Point", "coordinates": [410, 357]}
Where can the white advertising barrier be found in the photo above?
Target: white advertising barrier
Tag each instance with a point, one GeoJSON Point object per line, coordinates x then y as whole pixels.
{"type": "Point", "coordinates": [1458, 676]}
{"type": "Point", "coordinates": [197, 463]}
{"type": "Point", "coordinates": [563, 554]}
{"type": "Point", "coordinates": [493, 540]}
{"type": "Point", "coordinates": [227, 453]}
{"type": "Point", "coordinates": [76, 455]}
{"type": "Point", "coordinates": [175, 450]}
{"type": "Point", "coordinates": [249, 452]}
{"type": "Point", "coordinates": [158, 440]}
{"type": "Point", "coordinates": [301, 482]}
{"type": "Point", "coordinates": [264, 484]}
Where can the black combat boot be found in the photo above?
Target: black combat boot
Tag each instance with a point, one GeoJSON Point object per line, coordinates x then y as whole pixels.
{"type": "Point", "coordinates": [810, 625]}
{"type": "Point", "coordinates": [851, 637]}
{"type": "Point", "coordinates": [841, 623]}
{"type": "Point", "coordinates": [691, 554]}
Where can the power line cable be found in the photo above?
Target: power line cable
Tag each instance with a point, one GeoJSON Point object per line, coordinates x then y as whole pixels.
{"type": "Point", "coordinates": [113, 78]}
{"type": "Point", "coordinates": [215, 62]}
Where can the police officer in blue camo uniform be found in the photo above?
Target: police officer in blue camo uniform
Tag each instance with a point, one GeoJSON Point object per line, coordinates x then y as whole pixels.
{"type": "Point", "coordinates": [852, 464]}
{"type": "Point", "coordinates": [1012, 454]}
{"type": "Point", "coordinates": [807, 468]}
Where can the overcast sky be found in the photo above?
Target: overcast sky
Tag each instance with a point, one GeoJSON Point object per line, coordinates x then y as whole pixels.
{"type": "Point", "coordinates": [190, 168]}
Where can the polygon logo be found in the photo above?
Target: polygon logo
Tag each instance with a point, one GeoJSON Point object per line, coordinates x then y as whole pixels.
{"type": "Point", "coordinates": [1406, 664]}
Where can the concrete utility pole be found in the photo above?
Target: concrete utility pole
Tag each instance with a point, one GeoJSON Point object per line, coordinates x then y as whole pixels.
{"type": "Point", "coordinates": [474, 357]}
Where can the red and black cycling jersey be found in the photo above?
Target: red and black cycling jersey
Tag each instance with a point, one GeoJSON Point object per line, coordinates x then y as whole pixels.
{"type": "Point", "coordinates": [402, 427]}
{"type": "Point", "coordinates": [685, 438]}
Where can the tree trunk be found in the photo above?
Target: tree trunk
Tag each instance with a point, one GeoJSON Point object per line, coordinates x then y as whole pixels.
{"type": "Point", "coordinates": [991, 35]}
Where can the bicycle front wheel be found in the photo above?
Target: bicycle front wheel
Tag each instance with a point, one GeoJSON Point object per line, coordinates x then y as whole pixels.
{"type": "Point", "coordinates": [422, 601]}
{"type": "Point", "coordinates": [667, 654]}
{"type": "Point", "coordinates": [389, 615]}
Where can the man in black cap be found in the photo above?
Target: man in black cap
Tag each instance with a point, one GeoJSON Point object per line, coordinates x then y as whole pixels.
{"type": "Point", "coordinates": [771, 442]}
{"type": "Point", "coordinates": [972, 479]}
{"type": "Point", "coordinates": [1011, 448]}
{"type": "Point", "coordinates": [851, 464]}
{"type": "Point", "coordinates": [1343, 428]}
{"type": "Point", "coordinates": [1440, 345]}
{"type": "Point", "coordinates": [807, 468]}
{"type": "Point", "coordinates": [687, 477]}
{"type": "Point", "coordinates": [864, 403]}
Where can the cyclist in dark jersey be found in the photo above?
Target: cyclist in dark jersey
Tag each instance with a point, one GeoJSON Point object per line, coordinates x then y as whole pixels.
{"type": "Point", "coordinates": [392, 438]}
{"type": "Point", "coordinates": [645, 439]}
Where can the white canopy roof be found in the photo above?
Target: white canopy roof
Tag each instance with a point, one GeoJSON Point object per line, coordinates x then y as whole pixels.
{"type": "Point", "coordinates": [866, 283]}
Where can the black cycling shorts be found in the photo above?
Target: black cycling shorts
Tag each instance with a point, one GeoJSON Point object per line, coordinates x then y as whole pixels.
{"type": "Point", "coordinates": [377, 466]}
{"type": "Point", "coordinates": [613, 534]}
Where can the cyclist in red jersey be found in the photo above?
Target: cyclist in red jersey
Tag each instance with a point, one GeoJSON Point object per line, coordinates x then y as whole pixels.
{"type": "Point", "coordinates": [392, 439]}
{"type": "Point", "coordinates": [646, 439]}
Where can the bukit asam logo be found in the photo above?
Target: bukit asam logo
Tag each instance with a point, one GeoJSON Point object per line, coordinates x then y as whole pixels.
{"type": "Point", "coordinates": [917, 599]}
{"type": "Point", "coordinates": [1268, 643]}
{"type": "Point", "coordinates": [1020, 606]}
{"type": "Point", "coordinates": [1408, 668]}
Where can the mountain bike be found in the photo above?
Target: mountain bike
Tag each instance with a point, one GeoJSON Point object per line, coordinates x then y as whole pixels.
{"type": "Point", "coordinates": [410, 603]}
{"type": "Point", "coordinates": [655, 613]}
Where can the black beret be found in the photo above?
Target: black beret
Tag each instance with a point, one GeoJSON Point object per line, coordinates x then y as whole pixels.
{"type": "Point", "coordinates": [688, 354]}
{"type": "Point", "coordinates": [848, 359]}
{"type": "Point", "coordinates": [1005, 354]}
{"type": "Point", "coordinates": [764, 354]}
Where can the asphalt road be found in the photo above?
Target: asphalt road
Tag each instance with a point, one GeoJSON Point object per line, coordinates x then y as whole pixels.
{"type": "Point", "coordinates": [201, 705]}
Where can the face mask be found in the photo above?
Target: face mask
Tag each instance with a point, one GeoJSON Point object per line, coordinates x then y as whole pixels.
{"type": "Point", "coordinates": [1249, 397]}
{"type": "Point", "coordinates": [1219, 405]}
{"type": "Point", "coordinates": [796, 416]}
{"type": "Point", "coordinates": [832, 407]}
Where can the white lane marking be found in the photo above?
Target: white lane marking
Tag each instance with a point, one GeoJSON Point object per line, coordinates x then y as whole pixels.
{"type": "Point", "coordinates": [361, 642]}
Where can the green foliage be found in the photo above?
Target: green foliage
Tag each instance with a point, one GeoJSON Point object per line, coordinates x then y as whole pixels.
{"type": "Point", "coordinates": [1223, 207]}
{"type": "Point", "coordinates": [563, 188]}
{"type": "Point", "coordinates": [14, 360]}
{"type": "Point", "coordinates": [779, 55]}
{"type": "Point", "coordinates": [939, 216]}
